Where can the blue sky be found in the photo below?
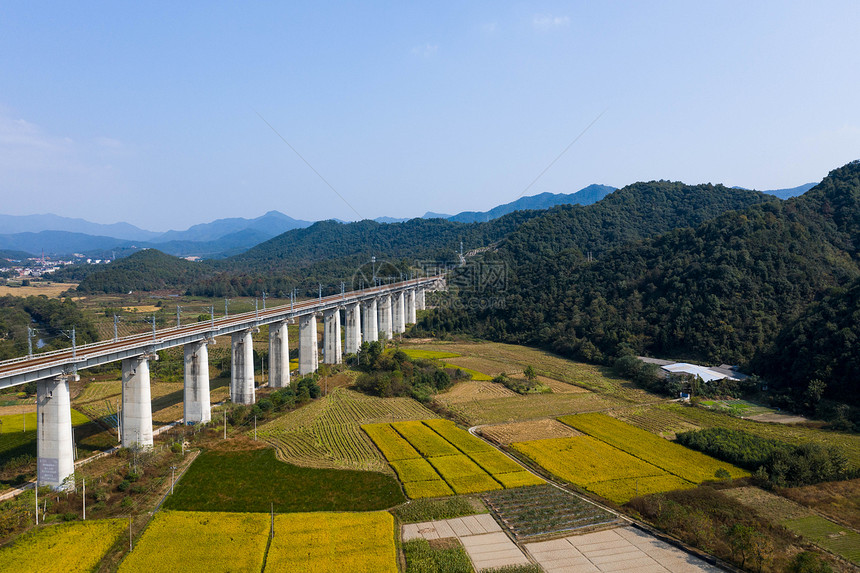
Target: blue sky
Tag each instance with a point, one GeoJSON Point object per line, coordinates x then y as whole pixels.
{"type": "Point", "coordinates": [148, 112]}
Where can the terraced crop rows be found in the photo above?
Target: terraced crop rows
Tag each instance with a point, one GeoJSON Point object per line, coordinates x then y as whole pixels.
{"type": "Point", "coordinates": [435, 458]}
{"type": "Point", "coordinates": [661, 422]}
{"type": "Point", "coordinates": [327, 433]}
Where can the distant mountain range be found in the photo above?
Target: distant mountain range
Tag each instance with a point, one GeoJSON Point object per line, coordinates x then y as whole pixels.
{"type": "Point", "coordinates": [586, 196]}
{"type": "Point", "coordinates": [56, 235]}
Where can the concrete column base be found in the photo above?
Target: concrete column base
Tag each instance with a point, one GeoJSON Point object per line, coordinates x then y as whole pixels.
{"type": "Point", "coordinates": [242, 368]}
{"type": "Point", "coordinates": [197, 405]}
{"type": "Point", "coordinates": [308, 345]}
{"type": "Point", "coordinates": [54, 446]}
{"type": "Point", "coordinates": [332, 353]}
{"type": "Point", "coordinates": [136, 402]}
{"type": "Point", "coordinates": [353, 328]}
{"type": "Point", "coordinates": [370, 321]}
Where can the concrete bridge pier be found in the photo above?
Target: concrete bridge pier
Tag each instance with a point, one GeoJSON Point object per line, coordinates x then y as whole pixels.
{"type": "Point", "coordinates": [398, 312]}
{"type": "Point", "coordinates": [386, 326]}
{"type": "Point", "coordinates": [352, 319]}
{"type": "Point", "coordinates": [279, 355]}
{"type": "Point", "coordinates": [332, 352]}
{"type": "Point", "coordinates": [308, 350]}
{"type": "Point", "coordinates": [419, 299]}
{"type": "Point", "coordinates": [410, 306]}
{"type": "Point", "coordinates": [370, 321]}
{"type": "Point", "coordinates": [136, 401]}
{"type": "Point", "coordinates": [242, 367]}
{"type": "Point", "coordinates": [55, 450]}
{"type": "Point", "coordinates": [197, 408]}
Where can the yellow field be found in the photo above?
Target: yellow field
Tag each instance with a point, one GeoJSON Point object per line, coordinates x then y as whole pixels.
{"type": "Point", "coordinates": [50, 290]}
{"type": "Point", "coordinates": [333, 542]}
{"type": "Point", "coordinates": [453, 461]}
{"type": "Point", "coordinates": [674, 458]}
{"type": "Point", "coordinates": [600, 468]}
{"type": "Point", "coordinates": [68, 547]}
{"type": "Point", "coordinates": [200, 541]}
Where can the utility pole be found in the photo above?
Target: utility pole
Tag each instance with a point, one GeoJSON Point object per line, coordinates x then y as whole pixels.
{"type": "Point", "coordinates": [255, 427]}
{"type": "Point", "coordinates": [84, 496]}
{"type": "Point", "coordinates": [178, 313]}
{"type": "Point", "coordinates": [212, 314]}
{"type": "Point", "coordinates": [74, 344]}
{"type": "Point", "coordinates": [373, 268]}
{"type": "Point", "coordinates": [256, 309]}
{"type": "Point", "coordinates": [153, 327]}
{"type": "Point", "coordinates": [292, 299]}
{"type": "Point", "coordinates": [225, 424]}
{"type": "Point", "coordinates": [115, 327]}
{"type": "Point", "coordinates": [320, 291]}
{"type": "Point", "coordinates": [29, 342]}
{"type": "Point", "coordinates": [264, 300]}
{"type": "Point", "coordinates": [172, 478]}
{"type": "Point", "coordinates": [226, 302]}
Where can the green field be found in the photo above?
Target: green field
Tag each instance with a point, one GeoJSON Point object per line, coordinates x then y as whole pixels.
{"type": "Point", "coordinates": [252, 480]}
{"type": "Point", "coordinates": [675, 459]}
{"type": "Point", "coordinates": [830, 536]}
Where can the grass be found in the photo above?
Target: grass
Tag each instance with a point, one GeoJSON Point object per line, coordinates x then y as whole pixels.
{"type": "Point", "coordinates": [421, 510]}
{"type": "Point", "coordinates": [51, 290]}
{"type": "Point", "coordinates": [333, 543]}
{"type": "Point", "coordinates": [828, 535]}
{"type": "Point", "coordinates": [838, 500]}
{"type": "Point", "coordinates": [252, 480]}
{"type": "Point", "coordinates": [543, 510]}
{"type": "Point", "coordinates": [517, 408]}
{"type": "Point", "coordinates": [683, 462]}
{"type": "Point", "coordinates": [475, 375]}
{"type": "Point", "coordinates": [200, 541]}
{"type": "Point", "coordinates": [327, 433]}
{"type": "Point", "coordinates": [428, 354]}
{"type": "Point", "coordinates": [600, 468]}
{"type": "Point", "coordinates": [421, 557]}
{"type": "Point", "coordinates": [68, 547]}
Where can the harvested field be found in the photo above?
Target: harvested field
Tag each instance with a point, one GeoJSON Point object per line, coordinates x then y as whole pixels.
{"type": "Point", "coordinates": [661, 422]}
{"type": "Point", "coordinates": [475, 390]}
{"type": "Point", "coordinates": [327, 433]}
{"type": "Point", "coordinates": [768, 505]}
{"type": "Point", "coordinates": [533, 406]}
{"type": "Point", "coordinates": [514, 359]}
{"type": "Point", "coordinates": [506, 434]}
{"type": "Point", "coordinates": [51, 290]}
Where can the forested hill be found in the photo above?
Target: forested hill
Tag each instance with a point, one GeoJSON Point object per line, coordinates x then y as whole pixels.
{"type": "Point", "coordinates": [327, 240]}
{"type": "Point", "coordinates": [721, 292]}
{"type": "Point", "coordinates": [629, 214]}
{"type": "Point", "coordinates": [143, 271]}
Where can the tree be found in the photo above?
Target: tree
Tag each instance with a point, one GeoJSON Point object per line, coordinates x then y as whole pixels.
{"type": "Point", "coordinates": [530, 373]}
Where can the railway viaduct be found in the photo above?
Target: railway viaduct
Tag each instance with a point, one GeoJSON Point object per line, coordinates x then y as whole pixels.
{"type": "Point", "coordinates": [369, 314]}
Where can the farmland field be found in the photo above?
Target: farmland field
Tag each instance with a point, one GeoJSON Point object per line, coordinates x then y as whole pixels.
{"type": "Point", "coordinates": [838, 500]}
{"type": "Point", "coordinates": [327, 433]}
{"type": "Point", "coordinates": [517, 408]}
{"type": "Point", "coordinates": [452, 460]}
{"type": "Point", "coordinates": [506, 434]}
{"type": "Point", "coordinates": [511, 358]}
{"type": "Point", "coordinates": [473, 390]}
{"type": "Point", "coordinates": [251, 480]}
{"type": "Point", "coordinates": [333, 542]}
{"type": "Point", "coordinates": [800, 520]}
{"type": "Point", "coordinates": [542, 510]}
{"type": "Point", "coordinates": [600, 468]}
{"type": "Point", "coordinates": [664, 423]}
{"type": "Point", "coordinates": [200, 541]}
{"type": "Point", "coordinates": [68, 547]}
{"type": "Point", "coordinates": [683, 462]}
{"type": "Point", "coordinates": [850, 443]}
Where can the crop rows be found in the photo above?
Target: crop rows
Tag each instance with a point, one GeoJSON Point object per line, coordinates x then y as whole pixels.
{"type": "Point", "coordinates": [543, 509]}
{"type": "Point", "coordinates": [435, 458]}
{"type": "Point", "coordinates": [72, 547]}
{"type": "Point", "coordinates": [675, 459]}
{"type": "Point", "coordinates": [333, 542]}
{"type": "Point", "coordinates": [660, 422]}
{"type": "Point", "coordinates": [327, 433]}
{"type": "Point", "coordinates": [598, 467]}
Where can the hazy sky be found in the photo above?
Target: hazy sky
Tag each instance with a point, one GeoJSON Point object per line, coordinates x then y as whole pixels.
{"type": "Point", "coordinates": [150, 112]}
